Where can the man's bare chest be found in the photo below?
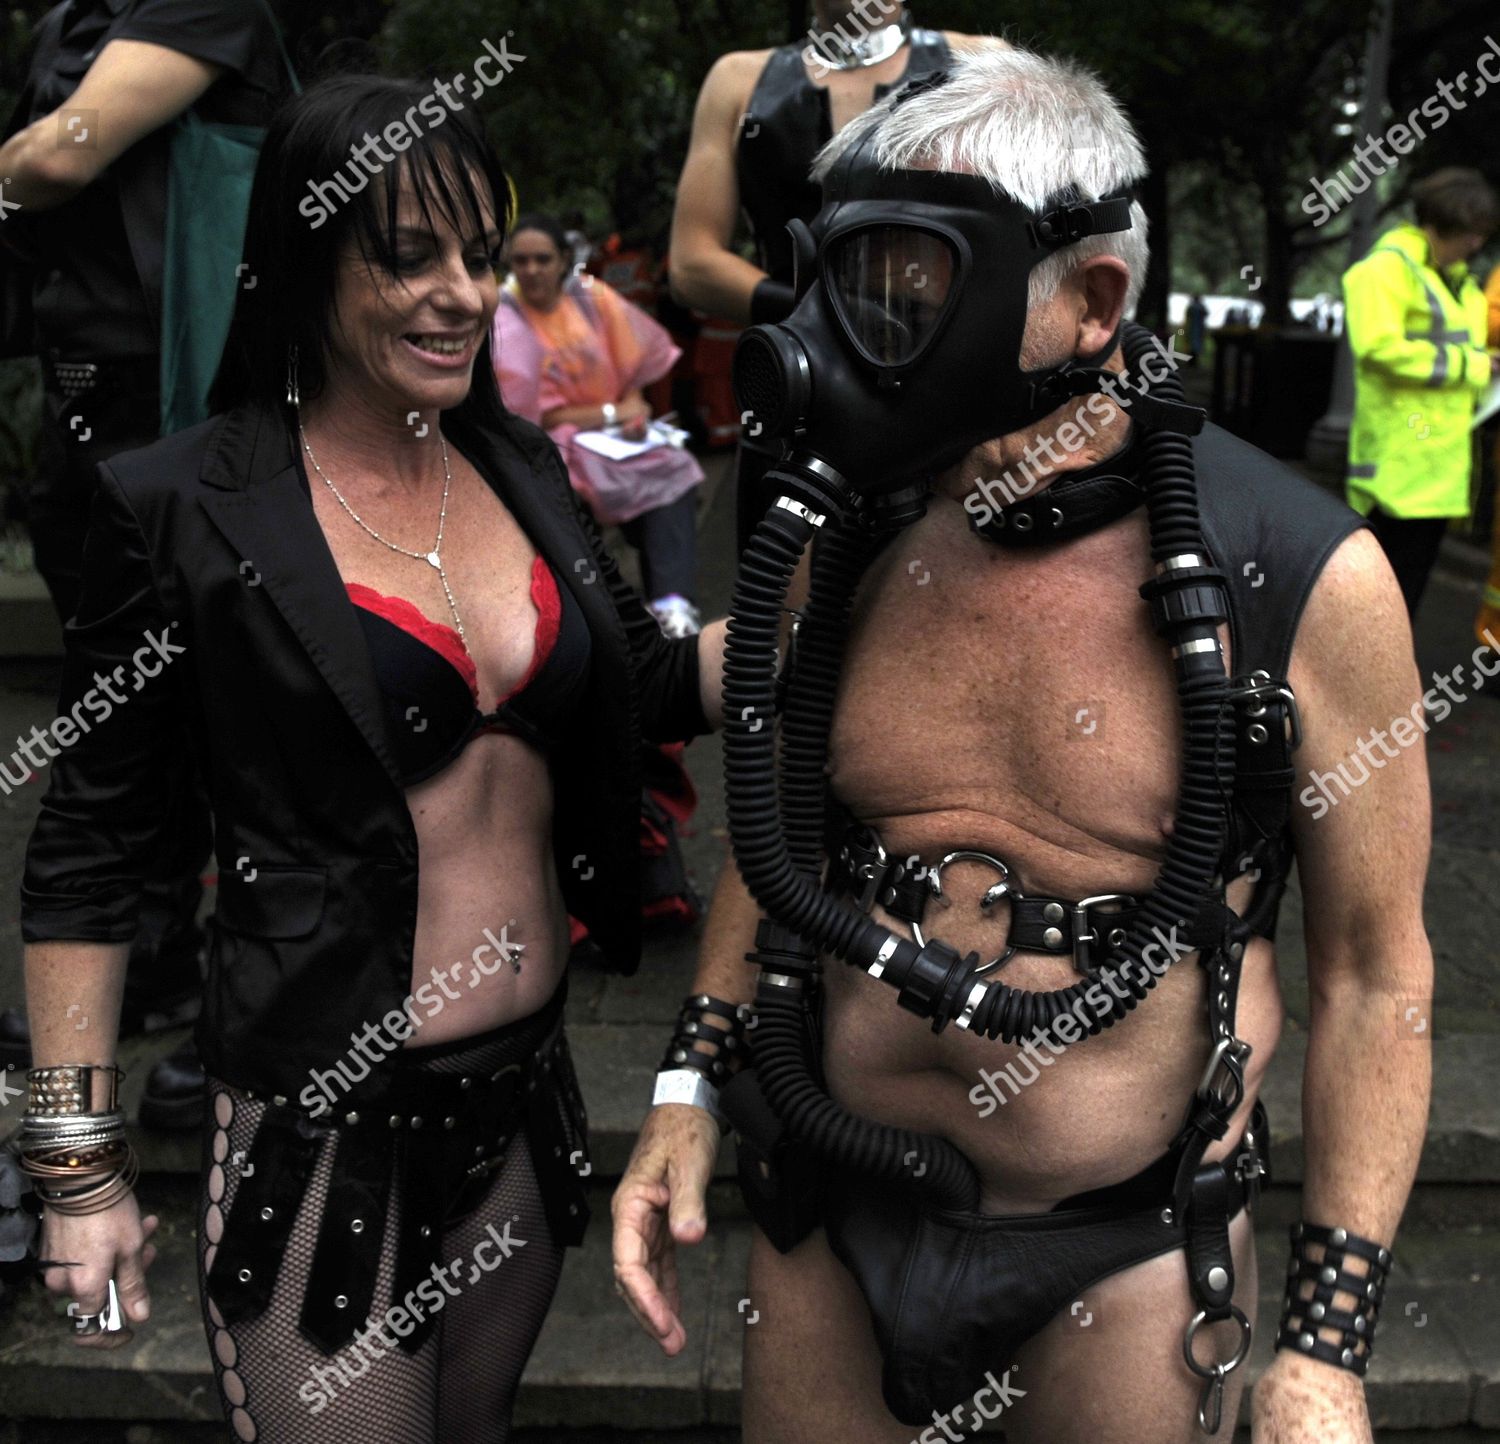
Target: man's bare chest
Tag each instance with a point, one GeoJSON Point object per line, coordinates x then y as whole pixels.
{"type": "Point", "coordinates": [1015, 698]}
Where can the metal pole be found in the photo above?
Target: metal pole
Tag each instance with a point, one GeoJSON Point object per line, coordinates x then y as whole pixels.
{"type": "Point", "coordinates": [1328, 442]}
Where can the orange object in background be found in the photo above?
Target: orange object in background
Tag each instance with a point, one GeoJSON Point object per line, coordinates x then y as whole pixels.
{"type": "Point", "coordinates": [712, 358]}
{"type": "Point", "coordinates": [636, 274]}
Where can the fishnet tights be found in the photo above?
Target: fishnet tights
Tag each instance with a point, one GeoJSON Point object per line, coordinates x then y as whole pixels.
{"type": "Point", "coordinates": [459, 1387]}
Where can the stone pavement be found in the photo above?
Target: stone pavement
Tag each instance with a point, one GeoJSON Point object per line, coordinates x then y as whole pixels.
{"type": "Point", "coordinates": [594, 1378]}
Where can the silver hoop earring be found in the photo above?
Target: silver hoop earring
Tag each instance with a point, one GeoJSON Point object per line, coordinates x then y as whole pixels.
{"type": "Point", "coordinates": [293, 396]}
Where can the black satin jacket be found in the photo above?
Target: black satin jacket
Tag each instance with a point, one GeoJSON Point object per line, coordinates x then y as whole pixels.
{"type": "Point", "coordinates": [207, 541]}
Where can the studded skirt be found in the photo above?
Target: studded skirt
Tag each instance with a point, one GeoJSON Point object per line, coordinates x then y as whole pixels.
{"type": "Point", "coordinates": [444, 1132]}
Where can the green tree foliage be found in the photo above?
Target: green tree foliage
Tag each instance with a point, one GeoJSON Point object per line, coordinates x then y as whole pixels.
{"type": "Point", "coordinates": [1236, 100]}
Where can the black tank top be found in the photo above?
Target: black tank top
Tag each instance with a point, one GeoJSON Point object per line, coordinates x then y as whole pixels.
{"type": "Point", "coordinates": [787, 122]}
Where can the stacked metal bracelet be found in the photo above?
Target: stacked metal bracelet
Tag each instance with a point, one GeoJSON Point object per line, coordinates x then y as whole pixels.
{"type": "Point", "coordinates": [691, 1073]}
{"type": "Point", "coordinates": [1304, 1315]}
{"type": "Point", "coordinates": [77, 1157]}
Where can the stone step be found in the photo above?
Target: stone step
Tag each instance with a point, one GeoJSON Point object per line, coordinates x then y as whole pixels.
{"type": "Point", "coordinates": [617, 1060]}
{"type": "Point", "coordinates": [28, 623]}
{"type": "Point", "coordinates": [1437, 1366]}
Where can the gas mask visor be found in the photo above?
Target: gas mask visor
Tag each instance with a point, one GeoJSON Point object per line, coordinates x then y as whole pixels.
{"type": "Point", "coordinates": [892, 288]}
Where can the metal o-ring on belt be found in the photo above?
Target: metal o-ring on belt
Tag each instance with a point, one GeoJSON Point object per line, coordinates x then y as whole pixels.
{"type": "Point", "coordinates": [862, 867]}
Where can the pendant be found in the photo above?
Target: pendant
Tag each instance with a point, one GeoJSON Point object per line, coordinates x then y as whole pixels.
{"type": "Point", "coordinates": [434, 561]}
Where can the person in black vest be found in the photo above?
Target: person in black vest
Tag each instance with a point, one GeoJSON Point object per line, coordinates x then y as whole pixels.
{"type": "Point", "coordinates": [1006, 767]}
{"type": "Point", "coordinates": [762, 116]}
{"type": "Point", "coordinates": [87, 165]}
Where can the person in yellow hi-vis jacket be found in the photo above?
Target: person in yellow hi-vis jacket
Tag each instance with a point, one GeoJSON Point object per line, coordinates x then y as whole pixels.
{"type": "Point", "coordinates": [1487, 624]}
{"type": "Point", "coordinates": [1417, 327]}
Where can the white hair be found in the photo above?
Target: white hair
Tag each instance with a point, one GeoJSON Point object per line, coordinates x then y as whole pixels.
{"type": "Point", "coordinates": [1029, 124]}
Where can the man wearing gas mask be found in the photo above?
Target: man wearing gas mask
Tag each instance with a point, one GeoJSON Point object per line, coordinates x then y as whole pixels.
{"type": "Point", "coordinates": [1032, 762]}
{"type": "Point", "coordinates": [761, 118]}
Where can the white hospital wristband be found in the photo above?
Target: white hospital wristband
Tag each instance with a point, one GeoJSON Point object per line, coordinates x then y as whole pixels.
{"type": "Point", "coordinates": [687, 1085]}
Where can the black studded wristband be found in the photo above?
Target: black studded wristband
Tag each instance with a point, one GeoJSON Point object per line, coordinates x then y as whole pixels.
{"type": "Point", "coordinates": [707, 1020]}
{"type": "Point", "coordinates": [1311, 1312]}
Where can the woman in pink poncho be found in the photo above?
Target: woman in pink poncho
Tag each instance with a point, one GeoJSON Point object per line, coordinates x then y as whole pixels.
{"type": "Point", "coordinates": [572, 355]}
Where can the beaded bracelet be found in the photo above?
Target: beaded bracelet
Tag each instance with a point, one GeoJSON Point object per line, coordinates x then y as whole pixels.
{"type": "Point", "coordinates": [1303, 1316]}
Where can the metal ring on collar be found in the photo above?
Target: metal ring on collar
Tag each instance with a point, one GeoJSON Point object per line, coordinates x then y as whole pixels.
{"type": "Point", "coordinates": [992, 895]}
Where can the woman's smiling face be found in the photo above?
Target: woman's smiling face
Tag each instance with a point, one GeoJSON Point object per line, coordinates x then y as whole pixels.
{"type": "Point", "coordinates": [408, 341]}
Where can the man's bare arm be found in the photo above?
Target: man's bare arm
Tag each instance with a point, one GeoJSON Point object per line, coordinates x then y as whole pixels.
{"type": "Point", "coordinates": [130, 90]}
{"type": "Point", "coordinates": [704, 272]}
{"type": "Point", "coordinates": [660, 1201]}
{"type": "Point", "coordinates": [1363, 863]}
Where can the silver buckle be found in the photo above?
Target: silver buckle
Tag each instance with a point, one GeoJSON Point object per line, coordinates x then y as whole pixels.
{"type": "Point", "coordinates": [1262, 691]}
{"type": "Point", "coordinates": [1084, 933]}
{"type": "Point", "coordinates": [1233, 1071]}
{"type": "Point", "coordinates": [872, 875]}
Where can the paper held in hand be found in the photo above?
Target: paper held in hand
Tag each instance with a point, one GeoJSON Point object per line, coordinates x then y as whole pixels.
{"type": "Point", "coordinates": [617, 448]}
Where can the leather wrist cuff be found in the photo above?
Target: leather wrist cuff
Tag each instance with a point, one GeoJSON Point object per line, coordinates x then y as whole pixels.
{"type": "Point", "coordinates": [1308, 1315]}
{"type": "Point", "coordinates": [771, 301]}
{"type": "Point", "coordinates": [694, 1029]}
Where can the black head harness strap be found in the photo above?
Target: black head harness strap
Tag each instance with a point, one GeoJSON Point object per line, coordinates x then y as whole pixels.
{"type": "Point", "coordinates": [1077, 503]}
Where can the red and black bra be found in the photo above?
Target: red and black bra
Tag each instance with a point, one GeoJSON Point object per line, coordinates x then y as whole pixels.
{"type": "Point", "coordinates": [430, 688]}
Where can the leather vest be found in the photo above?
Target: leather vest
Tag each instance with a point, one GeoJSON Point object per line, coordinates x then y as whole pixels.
{"type": "Point", "coordinates": [787, 122]}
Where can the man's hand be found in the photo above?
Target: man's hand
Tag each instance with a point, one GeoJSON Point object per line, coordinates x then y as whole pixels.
{"type": "Point", "coordinates": [1305, 1401]}
{"type": "Point", "coordinates": [658, 1205]}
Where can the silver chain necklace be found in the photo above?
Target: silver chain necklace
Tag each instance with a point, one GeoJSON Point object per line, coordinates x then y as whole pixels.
{"type": "Point", "coordinates": [433, 558]}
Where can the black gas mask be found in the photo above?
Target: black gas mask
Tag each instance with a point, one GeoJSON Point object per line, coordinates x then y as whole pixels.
{"type": "Point", "coordinates": [903, 351]}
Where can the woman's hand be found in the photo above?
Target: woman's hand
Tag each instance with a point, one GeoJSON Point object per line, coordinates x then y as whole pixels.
{"type": "Point", "coordinates": [111, 1244]}
{"type": "Point", "coordinates": [1305, 1401]}
{"type": "Point", "coordinates": [632, 416]}
{"type": "Point", "coordinates": [658, 1205]}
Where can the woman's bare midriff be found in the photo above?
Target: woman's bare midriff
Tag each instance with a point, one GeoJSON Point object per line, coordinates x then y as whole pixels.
{"type": "Point", "coordinates": [964, 721]}
{"type": "Point", "coordinates": [490, 913]}
{"type": "Point", "coordinates": [486, 881]}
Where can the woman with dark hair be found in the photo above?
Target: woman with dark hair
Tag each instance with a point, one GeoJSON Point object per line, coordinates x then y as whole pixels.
{"type": "Point", "coordinates": [573, 355]}
{"type": "Point", "coordinates": [418, 688]}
